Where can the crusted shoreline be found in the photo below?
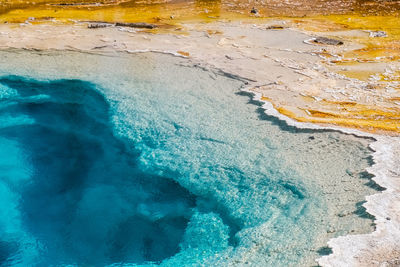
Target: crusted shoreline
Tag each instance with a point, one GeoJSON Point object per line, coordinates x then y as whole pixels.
{"type": "Point", "coordinates": [379, 248]}
{"type": "Point", "coordinates": [236, 57]}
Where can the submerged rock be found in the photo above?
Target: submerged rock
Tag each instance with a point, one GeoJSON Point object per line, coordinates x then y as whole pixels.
{"type": "Point", "coordinates": [275, 27]}
{"type": "Point", "coordinates": [326, 41]}
{"type": "Point", "coordinates": [98, 25]}
{"type": "Point", "coordinates": [254, 11]}
{"type": "Point", "coordinates": [137, 25]}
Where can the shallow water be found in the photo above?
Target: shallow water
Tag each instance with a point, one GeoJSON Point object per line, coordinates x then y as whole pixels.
{"type": "Point", "coordinates": [147, 159]}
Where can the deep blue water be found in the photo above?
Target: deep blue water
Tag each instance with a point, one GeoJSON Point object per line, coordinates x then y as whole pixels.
{"type": "Point", "coordinates": [83, 181]}
{"type": "Point", "coordinates": [141, 161]}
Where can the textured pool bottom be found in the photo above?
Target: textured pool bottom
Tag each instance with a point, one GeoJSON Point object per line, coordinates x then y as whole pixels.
{"type": "Point", "coordinates": [140, 159]}
{"type": "Point", "coordinates": [85, 198]}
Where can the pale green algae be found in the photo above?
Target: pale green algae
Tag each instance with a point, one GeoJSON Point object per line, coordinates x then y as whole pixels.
{"type": "Point", "coordinates": [266, 193]}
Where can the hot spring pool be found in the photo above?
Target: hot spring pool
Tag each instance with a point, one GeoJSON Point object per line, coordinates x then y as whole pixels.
{"type": "Point", "coordinates": [129, 160]}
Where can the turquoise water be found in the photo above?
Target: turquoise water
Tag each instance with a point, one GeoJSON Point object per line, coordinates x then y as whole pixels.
{"type": "Point", "coordinates": [147, 159]}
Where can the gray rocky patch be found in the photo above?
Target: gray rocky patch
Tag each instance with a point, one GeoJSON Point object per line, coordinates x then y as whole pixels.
{"type": "Point", "coordinates": [326, 41]}
{"type": "Point", "coordinates": [377, 34]}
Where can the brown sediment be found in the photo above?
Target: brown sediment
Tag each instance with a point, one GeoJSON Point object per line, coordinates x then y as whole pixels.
{"type": "Point", "coordinates": [183, 53]}
{"type": "Point", "coordinates": [371, 121]}
{"type": "Point", "coordinates": [178, 10]}
{"type": "Point", "coordinates": [383, 49]}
